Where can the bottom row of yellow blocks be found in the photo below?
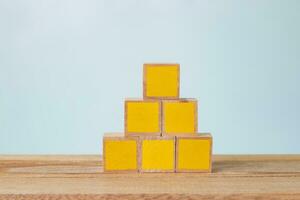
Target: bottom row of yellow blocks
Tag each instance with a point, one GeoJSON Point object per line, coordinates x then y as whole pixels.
{"type": "Point", "coordinates": [157, 153]}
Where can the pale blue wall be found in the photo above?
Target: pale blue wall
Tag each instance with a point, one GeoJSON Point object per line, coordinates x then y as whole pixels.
{"type": "Point", "coordinates": [66, 67]}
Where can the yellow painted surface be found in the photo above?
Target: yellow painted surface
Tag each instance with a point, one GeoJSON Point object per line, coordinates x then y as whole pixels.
{"type": "Point", "coordinates": [158, 154]}
{"type": "Point", "coordinates": [194, 154]}
{"type": "Point", "coordinates": [162, 81]}
{"type": "Point", "coordinates": [143, 117]}
{"type": "Point", "coordinates": [120, 154]}
{"type": "Point", "coordinates": [179, 117]}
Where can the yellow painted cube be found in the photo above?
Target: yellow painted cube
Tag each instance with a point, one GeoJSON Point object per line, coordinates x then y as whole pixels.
{"type": "Point", "coordinates": [142, 117]}
{"type": "Point", "coordinates": [157, 154]}
{"type": "Point", "coordinates": [120, 153]}
{"type": "Point", "coordinates": [179, 117]}
{"type": "Point", "coordinates": [161, 81]}
{"type": "Point", "coordinates": [193, 153]}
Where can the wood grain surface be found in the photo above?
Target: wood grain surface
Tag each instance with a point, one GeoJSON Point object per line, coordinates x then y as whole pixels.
{"type": "Point", "coordinates": [81, 177]}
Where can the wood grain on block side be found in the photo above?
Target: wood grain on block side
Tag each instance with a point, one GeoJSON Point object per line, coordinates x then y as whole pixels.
{"type": "Point", "coordinates": [179, 117]}
{"type": "Point", "coordinates": [194, 153]}
{"type": "Point", "coordinates": [120, 153]}
{"type": "Point", "coordinates": [161, 81]}
{"type": "Point", "coordinates": [157, 154]}
{"type": "Point", "coordinates": [142, 117]}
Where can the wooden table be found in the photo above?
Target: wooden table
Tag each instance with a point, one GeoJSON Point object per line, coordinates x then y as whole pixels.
{"type": "Point", "coordinates": [81, 177]}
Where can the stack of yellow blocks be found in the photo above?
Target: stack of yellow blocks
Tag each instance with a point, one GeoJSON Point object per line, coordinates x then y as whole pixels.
{"type": "Point", "coordinates": [161, 130]}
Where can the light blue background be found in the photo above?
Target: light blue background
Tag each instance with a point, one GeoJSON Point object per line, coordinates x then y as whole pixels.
{"type": "Point", "coordinates": [66, 67]}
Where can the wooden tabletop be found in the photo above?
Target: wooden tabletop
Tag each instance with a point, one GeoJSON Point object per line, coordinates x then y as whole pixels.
{"type": "Point", "coordinates": [81, 177]}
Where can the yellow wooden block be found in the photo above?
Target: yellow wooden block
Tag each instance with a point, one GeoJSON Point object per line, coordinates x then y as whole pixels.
{"type": "Point", "coordinates": [142, 117]}
{"type": "Point", "coordinates": [179, 117]}
{"type": "Point", "coordinates": [157, 154]}
{"type": "Point", "coordinates": [161, 81]}
{"type": "Point", "coordinates": [193, 153]}
{"type": "Point", "coordinates": [120, 154]}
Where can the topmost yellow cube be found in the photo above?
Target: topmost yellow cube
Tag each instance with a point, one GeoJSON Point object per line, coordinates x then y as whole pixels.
{"type": "Point", "coordinates": [161, 81]}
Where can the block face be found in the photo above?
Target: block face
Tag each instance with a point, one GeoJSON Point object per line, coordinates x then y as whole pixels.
{"type": "Point", "coordinates": [161, 81]}
{"type": "Point", "coordinates": [120, 154]}
{"type": "Point", "coordinates": [142, 117]}
{"type": "Point", "coordinates": [157, 155]}
{"type": "Point", "coordinates": [193, 154]}
{"type": "Point", "coordinates": [179, 117]}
